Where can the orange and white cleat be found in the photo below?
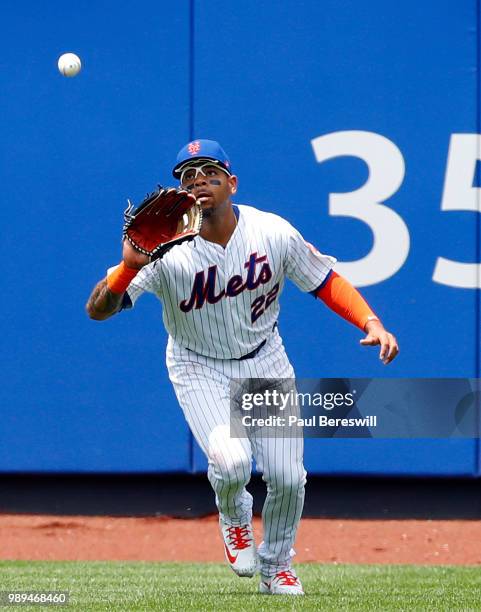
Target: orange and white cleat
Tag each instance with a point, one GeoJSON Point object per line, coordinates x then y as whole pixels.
{"type": "Point", "coordinates": [283, 583]}
{"type": "Point", "coordinates": [240, 548]}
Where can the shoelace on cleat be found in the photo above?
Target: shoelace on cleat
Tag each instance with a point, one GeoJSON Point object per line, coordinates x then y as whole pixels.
{"type": "Point", "coordinates": [239, 537]}
{"type": "Point", "coordinates": [287, 578]}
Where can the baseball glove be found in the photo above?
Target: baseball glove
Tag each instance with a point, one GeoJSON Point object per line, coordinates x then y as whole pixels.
{"type": "Point", "coordinates": [166, 217]}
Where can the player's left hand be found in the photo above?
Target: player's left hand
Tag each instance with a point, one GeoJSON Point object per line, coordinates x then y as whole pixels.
{"type": "Point", "coordinates": [376, 334]}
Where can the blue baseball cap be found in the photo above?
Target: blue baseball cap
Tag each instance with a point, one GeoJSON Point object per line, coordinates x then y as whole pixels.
{"type": "Point", "coordinates": [201, 149]}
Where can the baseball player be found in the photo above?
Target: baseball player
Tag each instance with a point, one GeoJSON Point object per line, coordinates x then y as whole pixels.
{"type": "Point", "coordinates": [220, 296]}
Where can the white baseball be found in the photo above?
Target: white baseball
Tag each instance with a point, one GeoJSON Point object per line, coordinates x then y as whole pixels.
{"type": "Point", "coordinates": [69, 64]}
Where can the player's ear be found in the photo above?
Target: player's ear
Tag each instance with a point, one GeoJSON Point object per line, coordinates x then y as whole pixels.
{"type": "Point", "coordinates": [232, 180]}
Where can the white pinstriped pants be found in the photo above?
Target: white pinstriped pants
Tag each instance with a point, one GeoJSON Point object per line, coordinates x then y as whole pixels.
{"type": "Point", "coordinates": [202, 386]}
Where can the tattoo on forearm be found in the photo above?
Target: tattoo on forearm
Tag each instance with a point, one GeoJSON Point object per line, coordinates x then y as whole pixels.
{"type": "Point", "coordinates": [102, 300]}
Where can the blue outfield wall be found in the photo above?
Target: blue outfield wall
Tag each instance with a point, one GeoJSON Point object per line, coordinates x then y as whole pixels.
{"type": "Point", "coordinates": [358, 122]}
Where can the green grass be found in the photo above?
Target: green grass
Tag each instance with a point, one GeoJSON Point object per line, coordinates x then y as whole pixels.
{"type": "Point", "coordinates": [181, 586]}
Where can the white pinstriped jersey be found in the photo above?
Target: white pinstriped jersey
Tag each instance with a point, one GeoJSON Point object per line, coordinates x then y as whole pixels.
{"type": "Point", "coordinates": [223, 302]}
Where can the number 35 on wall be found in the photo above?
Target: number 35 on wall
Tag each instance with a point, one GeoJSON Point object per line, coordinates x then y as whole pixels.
{"type": "Point", "coordinates": [386, 173]}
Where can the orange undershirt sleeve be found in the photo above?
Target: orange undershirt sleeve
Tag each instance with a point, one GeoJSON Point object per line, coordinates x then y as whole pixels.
{"type": "Point", "coordinates": [120, 278]}
{"type": "Point", "coordinates": [345, 300]}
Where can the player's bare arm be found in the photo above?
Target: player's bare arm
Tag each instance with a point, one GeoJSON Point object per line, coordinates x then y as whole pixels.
{"type": "Point", "coordinates": [103, 302]}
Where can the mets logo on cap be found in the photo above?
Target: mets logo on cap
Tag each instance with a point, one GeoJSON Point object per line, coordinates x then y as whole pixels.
{"type": "Point", "coordinates": [194, 147]}
{"type": "Point", "coordinates": [201, 148]}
